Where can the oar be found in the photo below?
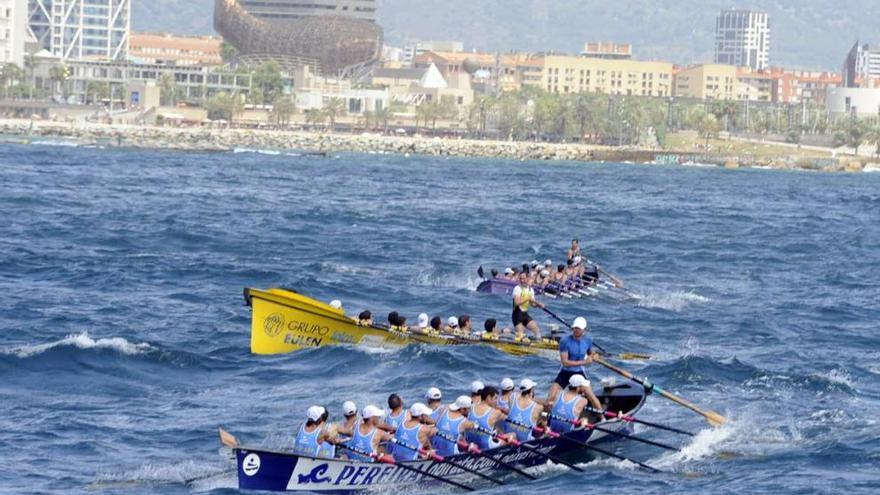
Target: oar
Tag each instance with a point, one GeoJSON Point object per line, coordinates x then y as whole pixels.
{"type": "Point", "coordinates": [481, 273]}
{"type": "Point", "coordinates": [387, 459]}
{"type": "Point", "coordinates": [589, 426]}
{"type": "Point", "coordinates": [474, 449]}
{"type": "Point", "coordinates": [631, 419]}
{"type": "Point", "coordinates": [617, 282]}
{"type": "Point", "coordinates": [712, 417]}
{"type": "Point", "coordinates": [587, 446]}
{"type": "Point", "coordinates": [442, 459]}
{"type": "Point", "coordinates": [522, 445]}
{"type": "Point", "coordinates": [227, 439]}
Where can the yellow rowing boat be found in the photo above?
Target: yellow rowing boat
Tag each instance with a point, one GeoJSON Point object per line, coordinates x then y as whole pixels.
{"type": "Point", "coordinates": [285, 321]}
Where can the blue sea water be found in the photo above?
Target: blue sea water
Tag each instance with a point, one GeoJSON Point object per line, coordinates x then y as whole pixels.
{"type": "Point", "coordinates": [124, 337]}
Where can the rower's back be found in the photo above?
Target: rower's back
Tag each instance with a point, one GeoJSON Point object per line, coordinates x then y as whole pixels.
{"type": "Point", "coordinates": [521, 418]}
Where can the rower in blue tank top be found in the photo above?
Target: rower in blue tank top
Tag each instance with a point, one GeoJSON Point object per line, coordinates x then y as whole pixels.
{"type": "Point", "coordinates": [313, 434]}
{"type": "Point", "coordinates": [524, 412]}
{"type": "Point", "coordinates": [397, 415]}
{"type": "Point", "coordinates": [506, 396]}
{"type": "Point", "coordinates": [367, 436]}
{"type": "Point", "coordinates": [434, 398]}
{"type": "Point", "coordinates": [453, 423]}
{"type": "Point", "coordinates": [487, 418]}
{"type": "Point", "coordinates": [570, 405]}
{"type": "Point", "coordinates": [413, 434]}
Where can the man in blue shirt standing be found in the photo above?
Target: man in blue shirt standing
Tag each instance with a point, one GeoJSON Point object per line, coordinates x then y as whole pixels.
{"type": "Point", "coordinates": [575, 352]}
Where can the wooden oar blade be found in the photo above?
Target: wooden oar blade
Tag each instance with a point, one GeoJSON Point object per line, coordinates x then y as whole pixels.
{"type": "Point", "coordinates": [228, 439]}
{"type": "Point", "coordinates": [633, 356]}
{"type": "Point", "coordinates": [715, 419]}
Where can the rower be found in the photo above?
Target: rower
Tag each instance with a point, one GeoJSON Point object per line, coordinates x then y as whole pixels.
{"type": "Point", "coordinates": [434, 398]}
{"type": "Point", "coordinates": [365, 319]}
{"type": "Point", "coordinates": [397, 414]}
{"type": "Point", "coordinates": [524, 411]}
{"type": "Point", "coordinates": [494, 272]}
{"type": "Point", "coordinates": [452, 424]}
{"type": "Point", "coordinates": [349, 412]}
{"type": "Point", "coordinates": [392, 320]}
{"type": "Point", "coordinates": [476, 389]}
{"type": "Point", "coordinates": [401, 324]}
{"type": "Point", "coordinates": [506, 396]}
{"type": "Point", "coordinates": [436, 325]}
{"type": "Point", "coordinates": [423, 325]}
{"type": "Point", "coordinates": [575, 352]}
{"type": "Point", "coordinates": [487, 417]}
{"type": "Point", "coordinates": [315, 437]}
{"type": "Point", "coordinates": [523, 297]}
{"type": "Point", "coordinates": [509, 274]}
{"type": "Point", "coordinates": [451, 325]}
{"type": "Point", "coordinates": [490, 328]}
{"type": "Point", "coordinates": [336, 304]}
{"type": "Point", "coordinates": [464, 325]}
{"type": "Point", "coordinates": [571, 403]}
{"type": "Point", "coordinates": [413, 434]}
{"type": "Point", "coordinates": [574, 250]}
{"type": "Point", "coordinates": [367, 435]}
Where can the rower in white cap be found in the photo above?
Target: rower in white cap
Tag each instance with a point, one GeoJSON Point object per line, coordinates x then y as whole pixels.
{"type": "Point", "coordinates": [423, 323]}
{"type": "Point", "coordinates": [367, 435]}
{"type": "Point", "coordinates": [571, 403]}
{"type": "Point", "coordinates": [315, 438]}
{"type": "Point", "coordinates": [476, 387]}
{"type": "Point", "coordinates": [452, 424]}
{"type": "Point", "coordinates": [349, 412]}
{"type": "Point", "coordinates": [506, 397]}
{"type": "Point", "coordinates": [415, 433]}
{"type": "Point", "coordinates": [575, 352]}
{"type": "Point", "coordinates": [525, 411]}
{"type": "Point", "coordinates": [433, 397]}
{"type": "Point", "coordinates": [451, 325]}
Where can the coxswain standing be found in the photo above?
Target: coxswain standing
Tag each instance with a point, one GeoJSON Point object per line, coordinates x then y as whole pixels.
{"type": "Point", "coordinates": [315, 437]}
{"type": "Point", "coordinates": [574, 250]}
{"type": "Point", "coordinates": [575, 352]}
{"type": "Point", "coordinates": [414, 434]}
{"type": "Point", "coordinates": [367, 435]}
{"type": "Point", "coordinates": [523, 297]}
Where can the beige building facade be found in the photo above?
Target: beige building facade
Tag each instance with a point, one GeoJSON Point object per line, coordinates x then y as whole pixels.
{"type": "Point", "coordinates": [707, 82]}
{"type": "Point", "coordinates": [568, 74]}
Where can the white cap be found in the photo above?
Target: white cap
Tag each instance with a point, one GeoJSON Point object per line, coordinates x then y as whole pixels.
{"type": "Point", "coordinates": [526, 384]}
{"type": "Point", "coordinates": [462, 402]}
{"type": "Point", "coordinates": [476, 386]}
{"type": "Point", "coordinates": [548, 263]}
{"type": "Point", "coordinates": [336, 304]}
{"type": "Point", "coordinates": [419, 409]}
{"type": "Point", "coordinates": [452, 321]}
{"type": "Point", "coordinates": [577, 260]}
{"type": "Point", "coordinates": [349, 408]}
{"type": "Point", "coordinates": [534, 263]}
{"type": "Point", "coordinates": [578, 381]}
{"type": "Point", "coordinates": [433, 393]}
{"type": "Point", "coordinates": [507, 384]}
{"type": "Point", "coordinates": [372, 412]}
{"type": "Point", "coordinates": [545, 273]}
{"type": "Point", "coordinates": [508, 271]}
{"type": "Point", "coordinates": [423, 320]}
{"type": "Point", "coordinates": [580, 322]}
{"type": "Point", "coordinates": [315, 412]}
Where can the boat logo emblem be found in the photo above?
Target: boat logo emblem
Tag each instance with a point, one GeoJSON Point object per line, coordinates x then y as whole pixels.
{"type": "Point", "coordinates": [273, 324]}
{"type": "Point", "coordinates": [251, 464]}
{"type": "Point", "coordinates": [317, 475]}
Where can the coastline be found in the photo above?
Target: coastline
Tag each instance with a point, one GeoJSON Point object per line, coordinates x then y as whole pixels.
{"type": "Point", "coordinates": [227, 140]}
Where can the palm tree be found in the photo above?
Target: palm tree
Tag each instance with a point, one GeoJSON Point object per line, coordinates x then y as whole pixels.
{"type": "Point", "coordinates": [332, 109]}
{"type": "Point", "coordinates": [167, 90]}
{"type": "Point", "coordinates": [282, 110]}
{"type": "Point", "coordinates": [874, 135]}
{"type": "Point", "coordinates": [315, 117]}
{"type": "Point", "coordinates": [381, 116]}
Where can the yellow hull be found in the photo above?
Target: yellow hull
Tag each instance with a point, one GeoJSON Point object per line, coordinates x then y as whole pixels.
{"type": "Point", "coordinates": [284, 321]}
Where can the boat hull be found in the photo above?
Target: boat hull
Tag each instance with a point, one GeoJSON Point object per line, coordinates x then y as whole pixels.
{"type": "Point", "coordinates": [284, 472]}
{"type": "Point", "coordinates": [284, 321]}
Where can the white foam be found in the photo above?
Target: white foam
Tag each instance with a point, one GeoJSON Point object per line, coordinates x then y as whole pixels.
{"type": "Point", "coordinates": [258, 151]}
{"type": "Point", "coordinates": [704, 444]}
{"type": "Point", "coordinates": [182, 473]}
{"type": "Point", "coordinates": [446, 280]}
{"type": "Point", "coordinates": [81, 341]}
{"type": "Point", "coordinates": [51, 142]}
{"type": "Point", "coordinates": [348, 269]}
{"type": "Point", "coordinates": [839, 377]}
{"type": "Point", "coordinates": [671, 301]}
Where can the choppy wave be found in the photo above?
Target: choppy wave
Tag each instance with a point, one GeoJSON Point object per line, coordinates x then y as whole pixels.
{"type": "Point", "coordinates": [55, 142]}
{"type": "Point", "coordinates": [185, 472]}
{"type": "Point", "coordinates": [257, 151]}
{"type": "Point", "coordinates": [671, 301]}
{"type": "Point", "coordinates": [81, 341]}
{"type": "Point", "coordinates": [345, 269]}
{"type": "Point", "coordinates": [430, 278]}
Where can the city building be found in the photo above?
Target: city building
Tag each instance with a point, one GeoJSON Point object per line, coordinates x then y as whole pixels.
{"type": "Point", "coordinates": [81, 29]}
{"type": "Point", "coordinates": [858, 102]}
{"type": "Point", "coordinates": [570, 74]}
{"type": "Point", "coordinates": [493, 71]}
{"type": "Point", "coordinates": [167, 49]}
{"type": "Point", "coordinates": [862, 63]}
{"type": "Point", "coordinates": [282, 11]}
{"type": "Point", "coordinates": [330, 45]}
{"type": "Point", "coordinates": [803, 86]}
{"type": "Point", "coordinates": [13, 31]}
{"type": "Point", "coordinates": [707, 82]}
{"type": "Point", "coordinates": [614, 51]}
{"type": "Point", "coordinates": [742, 38]}
{"type": "Point", "coordinates": [410, 52]}
{"type": "Point", "coordinates": [415, 86]}
{"type": "Point", "coordinates": [755, 85]}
